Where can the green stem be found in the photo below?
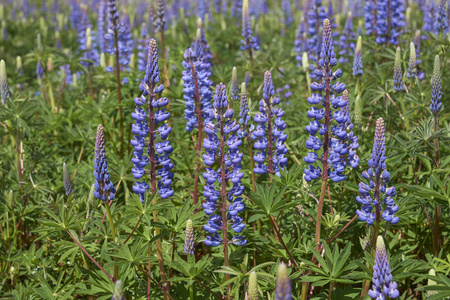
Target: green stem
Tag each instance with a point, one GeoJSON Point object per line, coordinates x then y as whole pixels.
{"type": "Point", "coordinates": [405, 116]}
{"type": "Point", "coordinates": [191, 292]}
{"type": "Point", "coordinates": [113, 231]}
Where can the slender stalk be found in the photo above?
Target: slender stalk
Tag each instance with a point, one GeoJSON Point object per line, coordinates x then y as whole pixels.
{"type": "Point", "coordinates": [325, 154]}
{"type": "Point", "coordinates": [113, 231]}
{"type": "Point", "coordinates": [224, 197]}
{"type": "Point", "coordinates": [52, 98]}
{"type": "Point", "coordinates": [93, 260]}
{"type": "Point", "coordinates": [342, 230]}
{"type": "Point", "coordinates": [275, 227]}
{"type": "Point", "coordinates": [191, 292]}
{"type": "Point", "coordinates": [149, 273]}
{"type": "Point", "coordinates": [436, 237]}
{"type": "Point", "coordinates": [304, 291]}
{"type": "Point", "coordinates": [199, 128]}
{"type": "Point", "coordinates": [269, 133]}
{"type": "Point", "coordinates": [404, 115]}
{"type": "Point", "coordinates": [119, 94]}
{"type": "Point", "coordinates": [252, 160]}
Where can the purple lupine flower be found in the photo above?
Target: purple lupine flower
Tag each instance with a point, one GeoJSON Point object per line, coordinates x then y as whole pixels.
{"type": "Point", "coordinates": [121, 32]}
{"type": "Point", "coordinates": [346, 45]}
{"type": "Point", "coordinates": [202, 49]}
{"type": "Point", "coordinates": [235, 95]}
{"type": "Point", "coordinates": [288, 17]}
{"type": "Point", "coordinates": [378, 177]}
{"type": "Point", "coordinates": [67, 181]}
{"type": "Point", "coordinates": [398, 73]}
{"type": "Point", "coordinates": [189, 240]}
{"type": "Point", "coordinates": [147, 131]}
{"type": "Point", "coordinates": [369, 16]}
{"type": "Point", "coordinates": [396, 20]}
{"type": "Point", "coordinates": [236, 8]}
{"type": "Point", "coordinates": [357, 61]}
{"type": "Point", "coordinates": [118, 291]}
{"type": "Point", "coordinates": [412, 65]}
{"type": "Point", "coordinates": [428, 17]}
{"type": "Point", "coordinates": [338, 142]}
{"type": "Point", "coordinates": [316, 15]}
{"type": "Point", "coordinates": [84, 29]}
{"type": "Point", "coordinates": [382, 285]}
{"type": "Point", "coordinates": [39, 70]}
{"type": "Point", "coordinates": [104, 188]}
{"type": "Point", "coordinates": [381, 24]}
{"type": "Point", "coordinates": [196, 79]}
{"type": "Point", "coordinates": [270, 135]}
{"type": "Point", "coordinates": [159, 20]}
{"type": "Point", "coordinates": [283, 289]}
{"type": "Point", "coordinates": [420, 74]}
{"type": "Point", "coordinates": [301, 43]}
{"type": "Point", "coordinates": [246, 128]}
{"type": "Point", "coordinates": [441, 18]}
{"type": "Point", "coordinates": [226, 147]}
{"type": "Point", "coordinates": [203, 9]}
{"type": "Point", "coordinates": [142, 48]}
{"type": "Point", "coordinates": [436, 104]}
{"type": "Point", "coordinates": [249, 42]}
{"type": "Point", "coordinates": [4, 86]}
{"type": "Point", "coordinates": [101, 26]}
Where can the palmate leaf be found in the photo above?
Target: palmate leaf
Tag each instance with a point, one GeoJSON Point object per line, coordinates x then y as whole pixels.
{"type": "Point", "coordinates": [269, 200]}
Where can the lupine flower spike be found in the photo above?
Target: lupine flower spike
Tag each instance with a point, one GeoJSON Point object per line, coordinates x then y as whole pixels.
{"type": "Point", "coordinates": [339, 146]}
{"type": "Point", "coordinates": [417, 38]}
{"type": "Point", "coordinates": [283, 289]}
{"type": "Point", "coordinates": [382, 285]}
{"type": "Point", "coordinates": [253, 293]}
{"type": "Point", "coordinates": [398, 73]}
{"type": "Point", "coordinates": [118, 291]}
{"type": "Point", "coordinates": [235, 95]}
{"type": "Point", "coordinates": [441, 19]}
{"type": "Point", "coordinates": [226, 148]}
{"type": "Point", "coordinates": [412, 66]}
{"type": "Point", "coordinates": [272, 135]}
{"type": "Point", "coordinates": [436, 104]}
{"type": "Point", "coordinates": [249, 42]}
{"type": "Point", "coordinates": [357, 61]}
{"type": "Point", "coordinates": [4, 86]}
{"type": "Point", "coordinates": [189, 240]}
{"type": "Point", "coordinates": [147, 131]}
{"type": "Point", "coordinates": [104, 188]}
{"type": "Point", "coordinates": [378, 177]}
{"type": "Point", "coordinates": [67, 182]}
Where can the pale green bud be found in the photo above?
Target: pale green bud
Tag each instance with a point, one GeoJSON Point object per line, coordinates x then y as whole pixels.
{"type": "Point", "coordinates": [253, 293]}
{"type": "Point", "coordinates": [305, 62]}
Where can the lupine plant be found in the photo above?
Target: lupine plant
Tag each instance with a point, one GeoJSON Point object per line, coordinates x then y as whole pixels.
{"type": "Point", "coordinates": [338, 146]}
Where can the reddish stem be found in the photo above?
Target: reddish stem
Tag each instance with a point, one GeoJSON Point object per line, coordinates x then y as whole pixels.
{"type": "Point", "coordinates": [93, 260]}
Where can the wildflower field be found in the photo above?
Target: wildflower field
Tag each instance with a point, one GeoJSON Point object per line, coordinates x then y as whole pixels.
{"type": "Point", "coordinates": [224, 149]}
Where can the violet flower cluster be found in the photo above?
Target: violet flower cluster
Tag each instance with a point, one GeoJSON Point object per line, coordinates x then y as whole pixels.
{"type": "Point", "coordinates": [397, 20]}
{"type": "Point", "coordinates": [341, 145]}
{"type": "Point", "coordinates": [398, 73]}
{"type": "Point", "coordinates": [151, 107]}
{"type": "Point", "coordinates": [378, 177]}
{"type": "Point", "coordinates": [369, 16]}
{"type": "Point", "coordinates": [104, 188]}
{"type": "Point", "coordinates": [346, 44]}
{"type": "Point", "coordinates": [382, 285]}
{"type": "Point", "coordinates": [301, 43]}
{"type": "Point", "coordinates": [101, 26]}
{"type": "Point", "coordinates": [436, 104]}
{"type": "Point", "coordinates": [124, 37]}
{"type": "Point", "coordinates": [441, 18]}
{"type": "Point", "coordinates": [196, 75]}
{"type": "Point", "coordinates": [269, 132]}
{"type": "Point", "coordinates": [229, 171]}
{"type": "Point", "coordinates": [249, 41]}
{"type": "Point", "coordinates": [357, 60]}
{"type": "Point", "coordinates": [315, 17]}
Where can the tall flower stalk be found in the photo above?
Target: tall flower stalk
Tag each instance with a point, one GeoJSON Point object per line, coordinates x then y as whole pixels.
{"type": "Point", "coordinates": [269, 134]}
{"type": "Point", "coordinates": [249, 43]}
{"type": "Point", "coordinates": [246, 129]}
{"type": "Point", "coordinates": [222, 144]}
{"type": "Point", "coordinates": [113, 36]}
{"type": "Point", "coordinates": [338, 145]}
{"type": "Point", "coordinates": [435, 107]}
{"type": "Point", "coordinates": [146, 133]}
{"type": "Point", "coordinates": [398, 85]}
{"type": "Point", "coordinates": [197, 94]}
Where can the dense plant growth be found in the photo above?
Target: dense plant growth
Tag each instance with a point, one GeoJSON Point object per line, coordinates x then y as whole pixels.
{"type": "Point", "coordinates": [242, 149]}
